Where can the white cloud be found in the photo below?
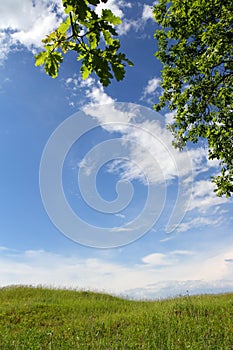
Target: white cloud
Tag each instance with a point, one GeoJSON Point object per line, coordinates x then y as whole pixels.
{"type": "Point", "coordinates": [72, 86]}
{"type": "Point", "coordinates": [26, 23]}
{"type": "Point", "coordinates": [93, 92]}
{"type": "Point", "coordinates": [105, 110]}
{"type": "Point", "coordinates": [39, 29]}
{"type": "Point", "coordinates": [122, 216]}
{"type": "Point", "coordinates": [88, 83]}
{"type": "Point", "coordinates": [171, 258]}
{"type": "Point", "coordinates": [5, 43]}
{"type": "Point", "coordinates": [137, 24]}
{"type": "Point", "coordinates": [125, 4]}
{"type": "Point", "coordinates": [97, 95]}
{"type": "Point", "coordinates": [127, 25]}
{"type": "Point", "coordinates": [152, 85]}
{"type": "Point", "coordinates": [69, 80]}
{"type": "Point", "coordinates": [205, 207]}
{"type": "Point", "coordinates": [152, 153]}
{"type": "Point", "coordinates": [88, 165]}
{"type": "Point", "coordinates": [152, 160]}
{"type": "Point", "coordinates": [167, 289]}
{"type": "Point", "coordinates": [151, 157]}
{"type": "Point", "coordinates": [182, 252]}
{"type": "Point", "coordinates": [197, 223]}
{"type": "Point", "coordinates": [2, 248]}
{"type": "Point", "coordinates": [113, 5]}
{"type": "Point", "coordinates": [204, 197]}
{"type": "Point", "coordinates": [42, 267]}
{"type": "Point", "coordinates": [170, 116]}
{"type": "Point", "coordinates": [147, 12]}
{"type": "Point", "coordinates": [166, 239]}
{"type": "Point", "coordinates": [151, 89]}
{"type": "Point", "coordinates": [117, 8]}
{"type": "Point", "coordinates": [156, 259]}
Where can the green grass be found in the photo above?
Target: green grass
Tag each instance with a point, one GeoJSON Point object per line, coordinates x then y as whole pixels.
{"type": "Point", "coordinates": [47, 319]}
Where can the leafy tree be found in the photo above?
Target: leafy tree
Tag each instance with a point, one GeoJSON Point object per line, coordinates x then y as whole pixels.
{"type": "Point", "coordinates": [195, 47]}
{"type": "Point", "coordinates": [82, 31]}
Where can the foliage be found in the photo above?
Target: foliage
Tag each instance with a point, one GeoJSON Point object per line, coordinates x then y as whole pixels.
{"type": "Point", "coordinates": [91, 36]}
{"type": "Point", "coordinates": [38, 318]}
{"type": "Point", "coordinates": [195, 48]}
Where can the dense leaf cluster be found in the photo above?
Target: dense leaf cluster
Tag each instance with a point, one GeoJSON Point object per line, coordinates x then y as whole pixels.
{"type": "Point", "coordinates": [93, 37]}
{"type": "Point", "coordinates": [195, 48]}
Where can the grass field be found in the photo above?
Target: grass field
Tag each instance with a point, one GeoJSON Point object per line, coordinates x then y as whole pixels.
{"type": "Point", "coordinates": [46, 319]}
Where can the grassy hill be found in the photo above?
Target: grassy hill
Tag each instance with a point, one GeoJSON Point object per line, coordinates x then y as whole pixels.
{"type": "Point", "coordinates": [46, 319]}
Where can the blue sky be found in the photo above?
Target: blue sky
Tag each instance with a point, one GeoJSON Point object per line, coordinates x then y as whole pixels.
{"type": "Point", "coordinates": [119, 240]}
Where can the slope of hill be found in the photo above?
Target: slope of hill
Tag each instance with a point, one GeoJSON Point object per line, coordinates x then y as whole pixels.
{"type": "Point", "coordinates": [46, 319]}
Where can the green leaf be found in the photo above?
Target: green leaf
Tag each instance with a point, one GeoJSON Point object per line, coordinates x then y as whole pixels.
{"type": "Point", "coordinates": [119, 71]}
{"type": "Point", "coordinates": [64, 26]}
{"type": "Point", "coordinates": [107, 37]}
{"type": "Point", "coordinates": [85, 72]}
{"type": "Point", "coordinates": [92, 40]}
{"type": "Point", "coordinates": [40, 58]}
{"type": "Point", "coordinates": [68, 8]}
{"type": "Point", "coordinates": [108, 16]}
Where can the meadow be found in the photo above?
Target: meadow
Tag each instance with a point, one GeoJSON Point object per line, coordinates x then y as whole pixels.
{"type": "Point", "coordinates": [45, 319]}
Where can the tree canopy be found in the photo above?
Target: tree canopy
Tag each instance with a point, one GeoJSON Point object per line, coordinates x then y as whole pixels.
{"type": "Point", "coordinates": [196, 50]}
{"type": "Point", "coordinates": [195, 47]}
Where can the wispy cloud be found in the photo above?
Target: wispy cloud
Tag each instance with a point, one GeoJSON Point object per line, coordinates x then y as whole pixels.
{"type": "Point", "coordinates": [6, 43]}
{"type": "Point", "coordinates": [152, 85]}
{"type": "Point", "coordinates": [83, 93]}
{"type": "Point", "coordinates": [197, 222]}
{"type": "Point", "coordinates": [178, 268]}
{"type": "Point", "coordinates": [204, 197]}
{"type": "Point", "coordinates": [122, 216]}
{"type": "Point", "coordinates": [168, 289]}
{"type": "Point", "coordinates": [137, 24]}
{"type": "Point", "coordinates": [171, 258]}
{"type": "Point", "coordinates": [157, 259]}
{"type": "Point", "coordinates": [151, 90]}
{"type": "Point", "coordinates": [97, 94]}
{"type": "Point", "coordinates": [4, 249]}
{"type": "Point", "coordinates": [151, 157]}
